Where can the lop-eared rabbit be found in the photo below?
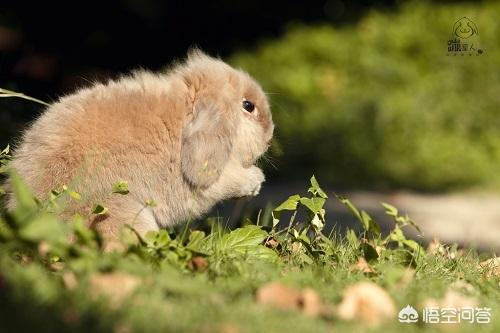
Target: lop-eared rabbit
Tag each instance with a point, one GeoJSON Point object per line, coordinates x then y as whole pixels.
{"type": "Point", "coordinates": [185, 139]}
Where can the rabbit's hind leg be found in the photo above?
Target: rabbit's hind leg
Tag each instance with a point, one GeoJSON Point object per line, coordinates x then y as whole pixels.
{"type": "Point", "coordinates": [122, 212]}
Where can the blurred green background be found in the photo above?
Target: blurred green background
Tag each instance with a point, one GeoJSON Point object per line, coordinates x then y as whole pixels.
{"type": "Point", "coordinates": [364, 94]}
{"type": "Point", "coordinates": [382, 103]}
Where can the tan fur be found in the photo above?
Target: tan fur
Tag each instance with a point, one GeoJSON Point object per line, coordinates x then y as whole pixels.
{"type": "Point", "coordinates": [180, 138]}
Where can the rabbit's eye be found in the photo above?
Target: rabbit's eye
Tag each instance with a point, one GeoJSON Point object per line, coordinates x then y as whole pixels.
{"type": "Point", "coordinates": [248, 106]}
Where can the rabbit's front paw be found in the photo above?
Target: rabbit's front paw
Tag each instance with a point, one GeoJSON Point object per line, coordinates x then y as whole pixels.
{"type": "Point", "coordinates": [253, 182]}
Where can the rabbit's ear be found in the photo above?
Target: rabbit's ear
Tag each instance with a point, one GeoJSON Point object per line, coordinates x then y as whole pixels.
{"type": "Point", "coordinates": [206, 145]}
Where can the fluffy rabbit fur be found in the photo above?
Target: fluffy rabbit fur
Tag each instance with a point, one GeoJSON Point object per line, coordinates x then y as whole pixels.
{"type": "Point", "coordinates": [181, 138]}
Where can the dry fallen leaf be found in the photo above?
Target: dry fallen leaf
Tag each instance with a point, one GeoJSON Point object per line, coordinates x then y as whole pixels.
{"type": "Point", "coordinates": [311, 303]}
{"type": "Point", "coordinates": [115, 286]}
{"type": "Point", "coordinates": [272, 243]}
{"type": "Point", "coordinates": [367, 302]}
{"type": "Point", "coordinates": [296, 247]}
{"type": "Point", "coordinates": [362, 266]}
{"type": "Point", "coordinates": [451, 299]}
{"type": "Point", "coordinates": [198, 264]}
{"type": "Point", "coordinates": [436, 248]}
{"type": "Point", "coordinates": [490, 267]}
{"type": "Point", "coordinates": [43, 249]}
{"type": "Point", "coordinates": [279, 296]}
{"type": "Point", "coordinates": [286, 298]}
{"type": "Point", "coordinates": [70, 280]}
{"type": "Point", "coordinates": [57, 266]}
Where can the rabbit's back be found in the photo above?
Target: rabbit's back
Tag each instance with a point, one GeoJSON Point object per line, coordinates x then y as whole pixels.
{"type": "Point", "coordinates": [127, 129]}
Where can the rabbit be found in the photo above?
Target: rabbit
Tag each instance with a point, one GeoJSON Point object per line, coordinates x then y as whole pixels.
{"type": "Point", "coordinates": [185, 138]}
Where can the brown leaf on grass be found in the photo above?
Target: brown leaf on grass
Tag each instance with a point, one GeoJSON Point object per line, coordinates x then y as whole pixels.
{"type": "Point", "coordinates": [198, 264]}
{"type": "Point", "coordinates": [116, 287]}
{"type": "Point", "coordinates": [436, 248]}
{"type": "Point", "coordinates": [311, 303]}
{"type": "Point", "coordinates": [272, 243]}
{"type": "Point", "coordinates": [286, 298]}
{"type": "Point", "coordinates": [296, 247]}
{"type": "Point", "coordinates": [43, 249]}
{"type": "Point", "coordinates": [362, 266]}
{"type": "Point", "coordinates": [279, 296]}
{"type": "Point", "coordinates": [490, 267]}
{"type": "Point", "coordinates": [56, 266]}
{"type": "Point", "coordinates": [70, 280]}
{"type": "Point", "coordinates": [454, 297]}
{"type": "Point", "coordinates": [367, 302]}
{"type": "Point", "coordinates": [26, 260]}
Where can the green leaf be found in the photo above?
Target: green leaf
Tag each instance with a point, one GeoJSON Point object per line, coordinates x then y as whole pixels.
{"type": "Point", "coordinates": [370, 223]}
{"type": "Point", "coordinates": [390, 209]}
{"type": "Point", "coordinates": [6, 232]}
{"type": "Point", "coordinates": [303, 236]}
{"type": "Point", "coordinates": [26, 204]}
{"type": "Point", "coordinates": [263, 252]}
{"type": "Point", "coordinates": [157, 239]}
{"type": "Point", "coordinates": [244, 240]}
{"type": "Point", "coordinates": [99, 210]}
{"type": "Point", "coordinates": [195, 240]}
{"type": "Point", "coordinates": [414, 246]}
{"type": "Point", "coordinates": [288, 204]}
{"type": "Point", "coordinates": [351, 207]}
{"type": "Point", "coordinates": [397, 235]}
{"type": "Point", "coordinates": [121, 187]}
{"type": "Point", "coordinates": [315, 189]}
{"type": "Point", "coordinates": [75, 195]}
{"type": "Point", "coordinates": [6, 151]}
{"type": "Point", "coordinates": [313, 204]}
{"type": "Point", "coordinates": [317, 222]}
{"type": "Point", "coordinates": [366, 220]}
{"type": "Point", "coordinates": [162, 238]}
{"type": "Point", "coordinates": [352, 238]}
{"type": "Point", "coordinates": [24, 198]}
{"type": "Point", "coordinates": [44, 227]}
{"type": "Point", "coordinates": [401, 221]}
{"type": "Point", "coordinates": [150, 203]}
{"type": "Point", "coordinates": [84, 234]}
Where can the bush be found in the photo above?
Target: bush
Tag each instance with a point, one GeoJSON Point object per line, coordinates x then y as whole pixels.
{"type": "Point", "coordinates": [382, 104]}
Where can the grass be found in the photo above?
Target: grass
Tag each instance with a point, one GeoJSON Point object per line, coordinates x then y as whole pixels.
{"type": "Point", "coordinates": [209, 279]}
{"type": "Point", "coordinates": [191, 281]}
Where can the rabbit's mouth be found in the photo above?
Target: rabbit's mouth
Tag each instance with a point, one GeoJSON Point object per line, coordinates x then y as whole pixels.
{"type": "Point", "coordinates": [259, 161]}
